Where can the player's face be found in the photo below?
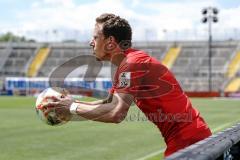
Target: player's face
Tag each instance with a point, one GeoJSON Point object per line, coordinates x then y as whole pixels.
{"type": "Point", "coordinates": [98, 43]}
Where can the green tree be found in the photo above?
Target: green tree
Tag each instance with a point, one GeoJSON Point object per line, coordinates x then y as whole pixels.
{"type": "Point", "coordinates": [14, 38]}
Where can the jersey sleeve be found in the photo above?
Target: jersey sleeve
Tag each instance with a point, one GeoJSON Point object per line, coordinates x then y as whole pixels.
{"type": "Point", "coordinates": [128, 79]}
{"type": "Point", "coordinates": [142, 80]}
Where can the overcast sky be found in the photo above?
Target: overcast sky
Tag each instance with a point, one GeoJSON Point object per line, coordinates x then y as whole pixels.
{"type": "Point", "coordinates": [150, 19]}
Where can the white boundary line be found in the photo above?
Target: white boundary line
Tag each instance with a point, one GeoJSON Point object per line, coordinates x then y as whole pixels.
{"type": "Point", "coordinates": [162, 150]}
{"type": "Point", "coordinates": [151, 154]}
{"type": "Point", "coordinates": [221, 127]}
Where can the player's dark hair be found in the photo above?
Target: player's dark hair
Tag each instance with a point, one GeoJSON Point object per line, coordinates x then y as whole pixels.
{"type": "Point", "coordinates": [117, 27]}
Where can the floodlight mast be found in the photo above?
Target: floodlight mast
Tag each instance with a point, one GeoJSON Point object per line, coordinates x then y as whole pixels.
{"type": "Point", "coordinates": [210, 16]}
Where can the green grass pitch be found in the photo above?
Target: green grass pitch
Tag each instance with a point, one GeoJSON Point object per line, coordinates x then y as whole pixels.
{"type": "Point", "coordinates": [24, 137]}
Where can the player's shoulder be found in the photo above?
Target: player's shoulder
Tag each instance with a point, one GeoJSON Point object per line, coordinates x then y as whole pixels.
{"type": "Point", "coordinates": [137, 56]}
{"type": "Point", "coordinates": [135, 52]}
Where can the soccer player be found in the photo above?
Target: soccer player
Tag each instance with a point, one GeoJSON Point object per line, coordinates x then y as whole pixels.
{"type": "Point", "coordinates": [143, 80]}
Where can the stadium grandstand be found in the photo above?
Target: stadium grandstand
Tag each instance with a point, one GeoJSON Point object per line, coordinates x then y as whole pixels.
{"type": "Point", "coordinates": [188, 60]}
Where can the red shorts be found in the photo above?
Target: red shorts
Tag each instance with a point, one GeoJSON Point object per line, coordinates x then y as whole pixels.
{"type": "Point", "coordinates": [179, 143]}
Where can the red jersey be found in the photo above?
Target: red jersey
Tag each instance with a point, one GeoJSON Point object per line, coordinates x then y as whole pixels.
{"type": "Point", "coordinates": [159, 96]}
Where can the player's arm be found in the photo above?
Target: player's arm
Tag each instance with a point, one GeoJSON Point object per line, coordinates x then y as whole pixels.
{"type": "Point", "coordinates": [112, 112]}
{"type": "Point", "coordinates": [101, 101]}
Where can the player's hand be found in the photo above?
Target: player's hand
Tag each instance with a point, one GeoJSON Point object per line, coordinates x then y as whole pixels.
{"type": "Point", "coordinates": [60, 106]}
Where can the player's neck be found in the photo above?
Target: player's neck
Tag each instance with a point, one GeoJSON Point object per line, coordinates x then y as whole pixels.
{"type": "Point", "coordinates": [117, 58]}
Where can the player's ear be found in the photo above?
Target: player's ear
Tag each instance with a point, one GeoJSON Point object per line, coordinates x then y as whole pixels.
{"type": "Point", "coordinates": [112, 39]}
{"type": "Point", "coordinates": [111, 44]}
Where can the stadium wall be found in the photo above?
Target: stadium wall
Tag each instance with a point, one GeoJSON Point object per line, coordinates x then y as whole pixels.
{"type": "Point", "coordinates": [32, 86]}
{"type": "Point", "coordinates": [97, 88]}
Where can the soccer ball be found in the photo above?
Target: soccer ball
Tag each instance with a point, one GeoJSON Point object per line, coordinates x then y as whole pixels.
{"type": "Point", "coordinates": [51, 118]}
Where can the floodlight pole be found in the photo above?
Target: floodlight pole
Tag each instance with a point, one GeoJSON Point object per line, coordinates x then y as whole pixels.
{"type": "Point", "coordinates": [210, 15]}
{"type": "Point", "coordinates": [210, 55]}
